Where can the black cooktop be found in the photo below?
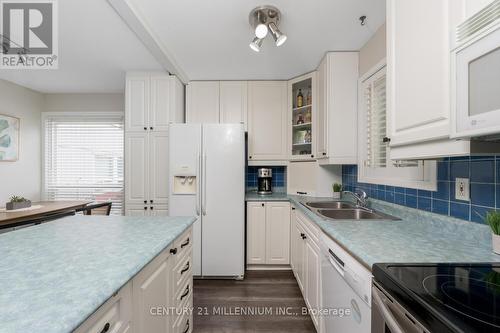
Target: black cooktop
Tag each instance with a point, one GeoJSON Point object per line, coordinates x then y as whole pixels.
{"type": "Point", "coordinates": [446, 297]}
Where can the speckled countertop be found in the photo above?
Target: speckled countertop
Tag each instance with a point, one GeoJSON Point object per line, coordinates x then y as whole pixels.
{"type": "Point", "coordinates": [418, 237]}
{"type": "Point", "coordinates": [54, 275]}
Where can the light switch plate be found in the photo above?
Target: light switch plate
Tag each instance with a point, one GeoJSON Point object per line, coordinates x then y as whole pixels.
{"type": "Point", "coordinates": [462, 189]}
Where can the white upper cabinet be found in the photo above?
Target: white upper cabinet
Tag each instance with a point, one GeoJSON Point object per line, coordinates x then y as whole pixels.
{"type": "Point", "coordinates": [152, 101]}
{"type": "Point", "coordinates": [137, 99]}
{"type": "Point", "coordinates": [336, 138]}
{"type": "Point", "coordinates": [202, 102]}
{"type": "Point", "coordinates": [233, 102]}
{"type": "Point", "coordinates": [321, 112]}
{"type": "Point", "coordinates": [418, 69]}
{"type": "Point", "coordinates": [267, 120]}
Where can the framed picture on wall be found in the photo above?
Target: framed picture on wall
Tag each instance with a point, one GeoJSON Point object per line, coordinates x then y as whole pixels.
{"type": "Point", "coordinates": [9, 138]}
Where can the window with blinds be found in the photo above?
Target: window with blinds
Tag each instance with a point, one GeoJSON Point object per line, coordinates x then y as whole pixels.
{"type": "Point", "coordinates": [83, 158]}
{"type": "Point", "coordinates": [376, 167]}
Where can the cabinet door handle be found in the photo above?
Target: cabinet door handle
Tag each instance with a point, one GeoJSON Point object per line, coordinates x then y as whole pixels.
{"type": "Point", "coordinates": [150, 201]}
{"type": "Point", "coordinates": [151, 207]}
{"type": "Point", "coordinates": [185, 293]}
{"type": "Point", "coordinates": [145, 208]}
{"type": "Point", "coordinates": [185, 269]}
{"type": "Point", "coordinates": [151, 128]}
{"type": "Point", "coordinates": [303, 193]}
{"type": "Point", "coordinates": [293, 208]}
{"type": "Point", "coordinates": [187, 327]}
{"type": "Point", "coordinates": [250, 157]}
{"type": "Point", "coordinates": [185, 243]}
{"type": "Point", "coordinates": [145, 128]}
{"type": "Point", "coordinates": [173, 251]}
{"type": "Point", "coordinates": [105, 328]}
{"type": "Point", "coordinates": [386, 140]}
{"type": "Point", "coordinates": [312, 156]}
{"type": "Point", "coordinates": [303, 236]}
{"type": "Point", "coordinates": [324, 154]}
{"type": "Point", "coordinates": [263, 205]}
{"type": "Point", "coordinates": [145, 201]}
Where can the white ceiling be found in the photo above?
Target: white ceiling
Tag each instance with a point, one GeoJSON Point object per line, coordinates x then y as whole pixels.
{"type": "Point", "coordinates": [96, 48]}
{"type": "Point", "coordinates": [209, 39]}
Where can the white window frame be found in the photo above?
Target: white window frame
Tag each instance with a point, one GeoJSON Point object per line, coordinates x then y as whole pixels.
{"type": "Point", "coordinates": [423, 177]}
{"type": "Point", "coordinates": [79, 114]}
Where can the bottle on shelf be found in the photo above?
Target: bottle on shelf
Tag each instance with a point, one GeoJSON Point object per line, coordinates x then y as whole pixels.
{"type": "Point", "coordinates": [300, 99]}
{"type": "Point", "coordinates": [309, 97]}
{"type": "Point", "coordinates": [300, 119]}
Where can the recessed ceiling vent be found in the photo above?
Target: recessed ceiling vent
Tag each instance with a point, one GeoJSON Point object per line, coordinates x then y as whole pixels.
{"type": "Point", "coordinates": [484, 18]}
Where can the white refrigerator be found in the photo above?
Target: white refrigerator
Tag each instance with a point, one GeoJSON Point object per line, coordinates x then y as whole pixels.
{"type": "Point", "coordinates": [207, 179]}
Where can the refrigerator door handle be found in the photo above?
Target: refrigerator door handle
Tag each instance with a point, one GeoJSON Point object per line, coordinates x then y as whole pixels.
{"type": "Point", "coordinates": [204, 194]}
{"type": "Point", "coordinates": [198, 179]}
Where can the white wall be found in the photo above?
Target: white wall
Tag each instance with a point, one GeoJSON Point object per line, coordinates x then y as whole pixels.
{"type": "Point", "coordinates": [373, 51]}
{"type": "Point", "coordinates": [22, 177]}
{"type": "Point", "coordinates": [84, 102]}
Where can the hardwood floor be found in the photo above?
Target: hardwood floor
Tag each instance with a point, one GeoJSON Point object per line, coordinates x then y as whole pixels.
{"type": "Point", "coordinates": [220, 305]}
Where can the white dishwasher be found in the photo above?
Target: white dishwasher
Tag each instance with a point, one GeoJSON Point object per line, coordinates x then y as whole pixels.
{"type": "Point", "coordinates": [346, 291]}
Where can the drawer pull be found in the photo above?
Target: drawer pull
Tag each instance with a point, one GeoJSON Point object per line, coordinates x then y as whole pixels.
{"type": "Point", "coordinates": [187, 327]}
{"type": "Point", "coordinates": [173, 251]}
{"type": "Point", "coordinates": [105, 328]}
{"type": "Point", "coordinates": [185, 269]}
{"type": "Point", "coordinates": [185, 293]}
{"type": "Point", "coordinates": [185, 244]}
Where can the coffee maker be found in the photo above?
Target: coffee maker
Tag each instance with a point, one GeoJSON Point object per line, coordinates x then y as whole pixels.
{"type": "Point", "coordinates": [264, 180]}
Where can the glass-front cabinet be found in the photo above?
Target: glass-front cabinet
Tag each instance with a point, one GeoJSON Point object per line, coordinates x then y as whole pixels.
{"type": "Point", "coordinates": [302, 99]}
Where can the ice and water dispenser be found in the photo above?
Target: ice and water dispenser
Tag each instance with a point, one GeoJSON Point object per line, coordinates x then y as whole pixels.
{"type": "Point", "coordinates": [184, 181]}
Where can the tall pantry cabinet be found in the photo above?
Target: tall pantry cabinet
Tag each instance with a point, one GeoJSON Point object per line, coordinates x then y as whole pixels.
{"type": "Point", "coordinates": [153, 100]}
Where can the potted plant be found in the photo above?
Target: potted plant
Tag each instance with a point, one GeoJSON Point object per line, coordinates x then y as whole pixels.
{"type": "Point", "coordinates": [493, 220]}
{"type": "Point", "coordinates": [337, 188]}
{"type": "Point", "coordinates": [17, 203]}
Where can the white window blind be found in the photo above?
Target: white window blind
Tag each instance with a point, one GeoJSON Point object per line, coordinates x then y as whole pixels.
{"type": "Point", "coordinates": [376, 128]}
{"type": "Point", "coordinates": [83, 158]}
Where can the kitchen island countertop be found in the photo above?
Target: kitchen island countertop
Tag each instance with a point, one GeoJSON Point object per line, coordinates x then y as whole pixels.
{"type": "Point", "coordinates": [53, 276]}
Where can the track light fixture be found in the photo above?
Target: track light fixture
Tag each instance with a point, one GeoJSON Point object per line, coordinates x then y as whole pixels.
{"type": "Point", "coordinates": [256, 44]}
{"type": "Point", "coordinates": [262, 20]}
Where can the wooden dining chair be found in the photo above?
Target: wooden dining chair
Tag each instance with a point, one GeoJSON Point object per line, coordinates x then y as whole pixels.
{"type": "Point", "coordinates": [103, 208]}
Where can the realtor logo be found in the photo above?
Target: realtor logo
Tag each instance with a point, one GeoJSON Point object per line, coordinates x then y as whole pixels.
{"type": "Point", "coordinates": [29, 34]}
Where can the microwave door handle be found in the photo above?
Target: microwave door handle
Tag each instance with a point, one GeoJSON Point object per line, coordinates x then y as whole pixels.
{"type": "Point", "coordinates": [389, 319]}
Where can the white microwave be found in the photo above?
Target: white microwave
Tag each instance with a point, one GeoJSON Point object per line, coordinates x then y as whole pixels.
{"type": "Point", "coordinates": [475, 83]}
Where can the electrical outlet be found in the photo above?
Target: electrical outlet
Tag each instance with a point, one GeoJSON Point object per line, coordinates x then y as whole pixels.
{"type": "Point", "coordinates": [462, 189]}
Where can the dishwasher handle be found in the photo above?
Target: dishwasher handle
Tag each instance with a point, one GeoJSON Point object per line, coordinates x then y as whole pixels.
{"type": "Point", "coordinates": [336, 262]}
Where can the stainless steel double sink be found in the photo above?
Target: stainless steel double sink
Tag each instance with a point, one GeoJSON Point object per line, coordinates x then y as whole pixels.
{"type": "Point", "coordinates": [341, 210]}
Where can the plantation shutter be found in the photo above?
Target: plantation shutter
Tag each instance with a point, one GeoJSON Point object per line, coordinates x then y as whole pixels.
{"type": "Point", "coordinates": [376, 125]}
{"type": "Point", "coordinates": [83, 158]}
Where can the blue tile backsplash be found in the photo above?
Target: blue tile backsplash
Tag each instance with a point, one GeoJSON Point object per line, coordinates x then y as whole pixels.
{"type": "Point", "coordinates": [278, 182]}
{"type": "Point", "coordinates": [484, 175]}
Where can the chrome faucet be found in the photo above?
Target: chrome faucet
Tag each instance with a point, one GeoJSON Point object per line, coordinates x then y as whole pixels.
{"type": "Point", "coordinates": [360, 196]}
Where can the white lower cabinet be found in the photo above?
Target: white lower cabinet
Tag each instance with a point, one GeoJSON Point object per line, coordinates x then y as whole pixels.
{"type": "Point", "coordinates": [306, 261]}
{"type": "Point", "coordinates": [268, 233]}
{"type": "Point", "coordinates": [156, 300]}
